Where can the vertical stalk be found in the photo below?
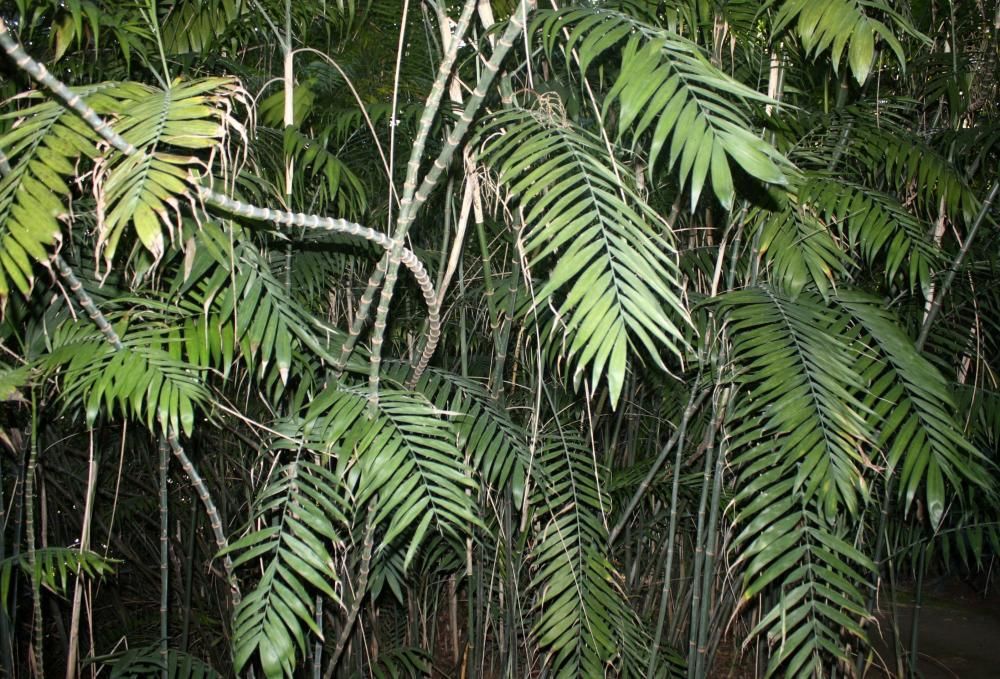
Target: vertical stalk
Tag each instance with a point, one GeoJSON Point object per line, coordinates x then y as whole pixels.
{"type": "Point", "coordinates": [953, 270]}
{"type": "Point", "coordinates": [188, 578]}
{"type": "Point", "coordinates": [37, 629]}
{"type": "Point", "coordinates": [88, 512]}
{"type": "Point", "coordinates": [699, 556]}
{"type": "Point", "coordinates": [361, 587]}
{"type": "Point", "coordinates": [317, 655]}
{"type": "Point", "coordinates": [6, 649]}
{"type": "Point", "coordinates": [915, 619]}
{"type": "Point", "coordinates": [701, 667]}
{"type": "Point", "coordinates": [164, 450]}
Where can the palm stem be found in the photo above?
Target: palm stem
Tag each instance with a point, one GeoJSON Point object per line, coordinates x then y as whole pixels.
{"type": "Point", "coordinates": [915, 617]}
{"type": "Point", "coordinates": [701, 666]}
{"type": "Point", "coordinates": [164, 451]}
{"type": "Point", "coordinates": [362, 313]}
{"type": "Point", "coordinates": [699, 555]}
{"type": "Point", "coordinates": [953, 270]}
{"type": "Point", "coordinates": [677, 439]}
{"type": "Point", "coordinates": [412, 201]}
{"type": "Point", "coordinates": [360, 589]}
{"type": "Point", "coordinates": [676, 443]}
{"type": "Point", "coordinates": [37, 628]}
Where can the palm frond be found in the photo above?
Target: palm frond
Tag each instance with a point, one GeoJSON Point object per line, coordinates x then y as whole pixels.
{"type": "Point", "coordinates": [797, 408]}
{"type": "Point", "coordinates": [495, 444]}
{"type": "Point", "coordinates": [667, 86]}
{"type": "Point", "coordinates": [403, 457]}
{"type": "Point", "coordinates": [914, 413]}
{"type": "Point", "coordinates": [584, 623]}
{"type": "Point", "coordinates": [167, 126]}
{"type": "Point", "coordinates": [42, 148]}
{"type": "Point", "coordinates": [798, 246]}
{"type": "Point", "coordinates": [148, 379]}
{"type": "Point", "coordinates": [53, 567]}
{"type": "Point", "coordinates": [817, 576]}
{"type": "Point", "coordinates": [877, 225]}
{"type": "Point", "coordinates": [841, 24]}
{"type": "Point", "coordinates": [618, 272]}
{"type": "Point", "coordinates": [137, 663]}
{"type": "Point", "coordinates": [301, 514]}
{"type": "Point", "coordinates": [196, 26]}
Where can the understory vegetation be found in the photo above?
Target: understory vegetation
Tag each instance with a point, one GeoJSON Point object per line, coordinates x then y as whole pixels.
{"type": "Point", "coordinates": [476, 338]}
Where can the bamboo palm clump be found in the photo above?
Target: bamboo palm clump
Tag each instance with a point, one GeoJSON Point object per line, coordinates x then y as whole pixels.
{"type": "Point", "coordinates": [711, 362]}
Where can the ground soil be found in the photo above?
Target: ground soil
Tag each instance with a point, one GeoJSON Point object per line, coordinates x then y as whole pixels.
{"type": "Point", "coordinates": [958, 635]}
{"type": "Point", "coordinates": [958, 631]}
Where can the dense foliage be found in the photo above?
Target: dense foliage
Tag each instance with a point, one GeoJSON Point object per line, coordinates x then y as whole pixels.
{"type": "Point", "coordinates": [388, 338]}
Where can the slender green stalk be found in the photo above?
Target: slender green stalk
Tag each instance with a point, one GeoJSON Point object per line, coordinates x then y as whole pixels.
{"type": "Point", "coordinates": [360, 589]}
{"type": "Point", "coordinates": [37, 628]}
{"type": "Point", "coordinates": [215, 520]}
{"type": "Point", "coordinates": [407, 208]}
{"type": "Point", "coordinates": [411, 201]}
{"type": "Point", "coordinates": [953, 270]}
{"type": "Point", "coordinates": [699, 555]}
{"type": "Point", "coordinates": [676, 442]}
{"type": "Point", "coordinates": [701, 665]}
{"type": "Point", "coordinates": [164, 450]}
{"type": "Point", "coordinates": [88, 514]}
{"type": "Point", "coordinates": [915, 618]}
{"type": "Point", "coordinates": [489, 284]}
{"type": "Point", "coordinates": [86, 303]}
{"type": "Point", "coordinates": [362, 313]}
{"type": "Point", "coordinates": [6, 648]}
{"type": "Point", "coordinates": [317, 654]}
{"type": "Point", "coordinates": [188, 579]}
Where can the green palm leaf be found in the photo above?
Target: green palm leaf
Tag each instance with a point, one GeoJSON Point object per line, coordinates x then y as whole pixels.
{"type": "Point", "coordinates": [302, 513]}
{"type": "Point", "coordinates": [841, 24]}
{"type": "Point", "coordinates": [797, 407]}
{"type": "Point", "coordinates": [913, 412]}
{"type": "Point", "coordinates": [583, 620]}
{"type": "Point", "coordinates": [43, 148]}
{"type": "Point", "coordinates": [145, 189]}
{"type": "Point", "coordinates": [877, 225]}
{"type": "Point", "coordinates": [798, 246]}
{"type": "Point", "coordinates": [616, 272]}
{"type": "Point", "coordinates": [667, 86]}
{"type": "Point", "coordinates": [148, 379]}
{"type": "Point", "coordinates": [817, 577]}
{"type": "Point", "coordinates": [404, 457]}
{"type": "Point", "coordinates": [53, 567]}
{"type": "Point", "coordinates": [494, 443]}
{"type": "Point", "coordinates": [137, 663]}
{"type": "Point", "coordinates": [798, 432]}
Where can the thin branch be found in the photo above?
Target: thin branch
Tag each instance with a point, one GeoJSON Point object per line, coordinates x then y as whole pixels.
{"type": "Point", "coordinates": [953, 271]}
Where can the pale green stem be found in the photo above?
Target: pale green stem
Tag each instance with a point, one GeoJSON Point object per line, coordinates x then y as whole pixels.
{"type": "Point", "coordinates": [164, 450]}
{"type": "Point", "coordinates": [410, 206]}
{"type": "Point", "coordinates": [37, 629]}
{"type": "Point", "coordinates": [361, 587]}
{"type": "Point", "coordinates": [362, 313]}
{"type": "Point", "coordinates": [953, 271]}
